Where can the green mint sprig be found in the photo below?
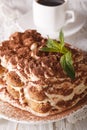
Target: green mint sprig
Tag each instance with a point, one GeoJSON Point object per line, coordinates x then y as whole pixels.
{"type": "Point", "coordinates": [66, 58]}
{"type": "Point", "coordinates": [67, 65]}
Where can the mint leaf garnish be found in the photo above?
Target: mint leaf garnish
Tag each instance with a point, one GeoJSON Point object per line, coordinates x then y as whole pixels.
{"type": "Point", "coordinates": [61, 38]}
{"type": "Point", "coordinates": [53, 44]}
{"type": "Point", "coordinates": [67, 65]}
{"type": "Point", "coordinates": [66, 58]}
{"type": "Point", "coordinates": [46, 49]}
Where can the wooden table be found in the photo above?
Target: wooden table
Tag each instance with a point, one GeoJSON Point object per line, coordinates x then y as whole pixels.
{"type": "Point", "coordinates": [60, 125]}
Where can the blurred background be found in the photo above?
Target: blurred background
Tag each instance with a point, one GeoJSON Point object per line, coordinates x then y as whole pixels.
{"type": "Point", "coordinates": [16, 15]}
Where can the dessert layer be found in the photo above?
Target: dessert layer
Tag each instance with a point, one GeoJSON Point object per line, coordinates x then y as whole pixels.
{"type": "Point", "coordinates": [35, 80]}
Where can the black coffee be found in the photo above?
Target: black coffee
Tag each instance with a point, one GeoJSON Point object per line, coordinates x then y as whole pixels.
{"type": "Point", "coordinates": [51, 2]}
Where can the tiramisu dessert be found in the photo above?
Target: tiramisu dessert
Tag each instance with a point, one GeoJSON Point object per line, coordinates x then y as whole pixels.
{"type": "Point", "coordinates": [41, 76]}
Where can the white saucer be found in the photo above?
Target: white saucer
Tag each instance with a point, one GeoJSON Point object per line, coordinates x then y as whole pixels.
{"type": "Point", "coordinates": [26, 22]}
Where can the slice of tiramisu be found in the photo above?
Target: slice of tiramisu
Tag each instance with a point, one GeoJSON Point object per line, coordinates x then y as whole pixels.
{"type": "Point", "coordinates": [34, 77]}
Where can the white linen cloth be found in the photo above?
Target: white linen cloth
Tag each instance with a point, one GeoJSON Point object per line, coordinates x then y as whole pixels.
{"type": "Point", "coordinates": [12, 10]}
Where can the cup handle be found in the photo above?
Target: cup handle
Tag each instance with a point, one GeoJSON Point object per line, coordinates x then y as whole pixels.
{"type": "Point", "coordinates": [70, 19]}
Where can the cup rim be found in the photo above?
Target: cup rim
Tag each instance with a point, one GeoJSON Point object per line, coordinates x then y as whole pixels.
{"type": "Point", "coordinates": [65, 1]}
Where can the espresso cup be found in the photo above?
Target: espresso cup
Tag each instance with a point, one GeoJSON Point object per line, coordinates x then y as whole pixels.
{"type": "Point", "coordinates": [50, 19]}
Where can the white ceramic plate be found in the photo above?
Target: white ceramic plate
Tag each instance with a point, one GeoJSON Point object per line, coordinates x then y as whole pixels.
{"type": "Point", "coordinates": [26, 22]}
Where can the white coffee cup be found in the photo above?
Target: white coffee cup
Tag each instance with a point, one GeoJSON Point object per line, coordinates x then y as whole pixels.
{"type": "Point", "coordinates": [50, 19]}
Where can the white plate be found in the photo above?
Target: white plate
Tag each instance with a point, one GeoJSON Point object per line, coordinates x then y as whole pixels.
{"type": "Point", "coordinates": [26, 22]}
